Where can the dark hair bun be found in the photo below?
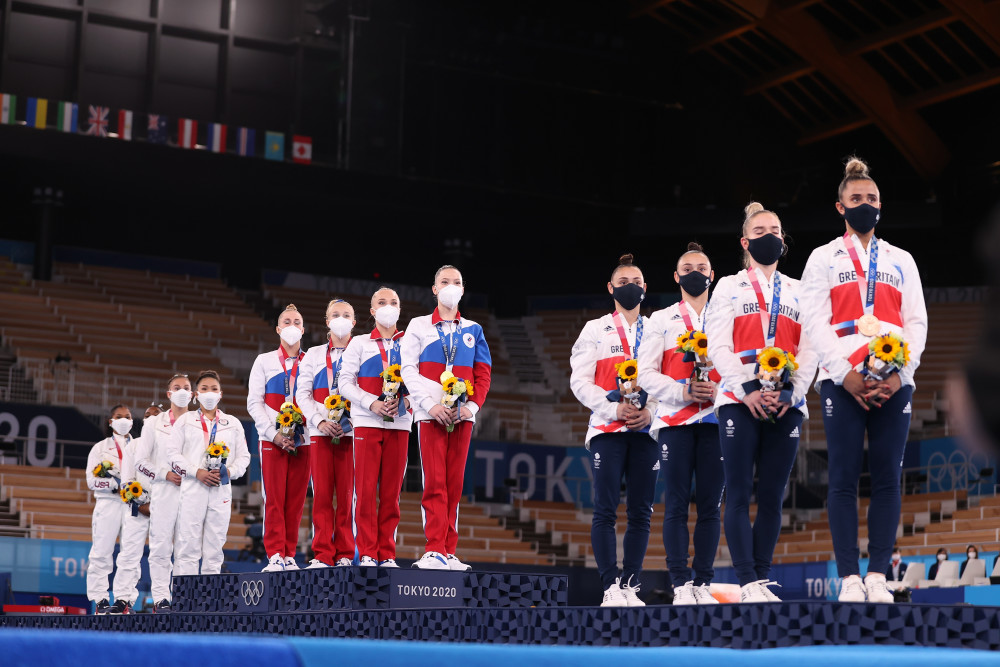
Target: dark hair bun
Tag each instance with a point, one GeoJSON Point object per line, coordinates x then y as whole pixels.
{"type": "Point", "coordinates": [695, 247]}
{"type": "Point", "coordinates": [626, 260]}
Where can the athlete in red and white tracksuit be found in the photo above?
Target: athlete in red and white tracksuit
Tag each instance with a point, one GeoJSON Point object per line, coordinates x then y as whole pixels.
{"type": "Point", "coordinates": [379, 445]}
{"type": "Point", "coordinates": [110, 513]}
{"type": "Point", "coordinates": [205, 507]}
{"type": "Point", "coordinates": [284, 473]}
{"type": "Point", "coordinates": [153, 469]}
{"type": "Point", "coordinates": [840, 309]}
{"type": "Point", "coordinates": [432, 345]}
{"type": "Point", "coordinates": [738, 319]}
{"type": "Point", "coordinates": [331, 464]}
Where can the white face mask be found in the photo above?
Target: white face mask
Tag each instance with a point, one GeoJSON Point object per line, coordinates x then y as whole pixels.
{"type": "Point", "coordinates": [181, 398]}
{"type": "Point", "coordinates": [450, 295]}
{"type": "Point", "coordinates": [291, 334]}
{"type": "Point", "coordinates": [896, 557]}
{"type": "Point", "coordinates": [972, 554]}
{"type": "Point", "coordinates": [209, 399]}
{"type": "Point", "coordinates": [387, 316]}
{"type": "Point", "coordinates": [121, 426]}
{"type": "Point", "coordinates": [942, 556]}
{"type": "Point", "coordinates": [340, 327]}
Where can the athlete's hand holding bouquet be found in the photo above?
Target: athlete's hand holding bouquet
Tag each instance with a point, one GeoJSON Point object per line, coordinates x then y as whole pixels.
{"type": "Point", "coordinates": [769, 394]}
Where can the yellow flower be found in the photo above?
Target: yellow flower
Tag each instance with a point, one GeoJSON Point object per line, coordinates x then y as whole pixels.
{"type": "Point", "coordinates": [771, 359]}
{"type": "Point", "coordinates": [135, 488]}
{"type": "Point", "coordinates": [215, 451]}
{"type": "Point", "coordinates": [886, 348]}
{"type": "Point", "coordinates": [791, 361]}
{"type": "Point", "coordinates": [393, 373]}
{"type": "Point", "coordinates": [906, 354]}
{"type": "Point", "coordinates": [285, 419]}
{"type": "Point", "coordinates": [683, 338]}
{"type": "Point", "coordinates": [347, 405]}
{"type": "Point", "coordinates": [98, 470]}
{"type": "Point", "coordinates": [297, 409]}
{"type": "Point", "coordinates": [627, 370]}
{"type": "Point", "coordinates": [449, 385]}
{"type": "Point", "coordinates": [468, 388]}
{"type": "Point", "coordinates": [699, 344]}
{"type": "Point", "coordinates": [123, 492]}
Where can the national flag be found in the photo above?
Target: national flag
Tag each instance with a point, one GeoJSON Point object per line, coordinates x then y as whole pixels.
{"type": "Point", "coordinates": [8, 109]}
{"type": "Point", "coordinates": [302, 149]}
{"type": "Point", "coordinates": [66, 119]}
{"type": "Point", "coordinates": [125, 124]}
{"type": "Point", "coordinates": [97, 121]}
{"type": "Point", "coordinates": [156, 129]}
{"type": "Point", "coordinates": [38, 110]}
{"type": "Point", "coordinates": [245, 140]}
{"type": "Point", "coordinates": [274, 148]}
{"type": "Point", "coordinates": [187, 133]}
{"type": "Point", "coordinates": [216, 138]}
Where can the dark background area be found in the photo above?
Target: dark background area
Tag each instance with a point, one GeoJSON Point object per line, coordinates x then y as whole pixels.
{"type": "Point", "coordinates": [530, 143]}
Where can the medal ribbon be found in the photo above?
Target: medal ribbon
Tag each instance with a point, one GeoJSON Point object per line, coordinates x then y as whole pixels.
{"type": "Point", "coordinates": [769, 324]}
{"type": "Point", "coordinates": [387, 357]}
{"type": "Point", "coordinates": [688, 322]}
{"type": "Point", "coordinates": [616, 316]}
{"type": "Point", "coordinates": [452, 342]}
{"type": "Point", "coordinates": [333, 379]}
{"type": "Point", "coordinates": [291, 377]}
{"type": "Point", "coordinates": [867, 287]}
{"type": "Point", "coordinates": [209, 439]}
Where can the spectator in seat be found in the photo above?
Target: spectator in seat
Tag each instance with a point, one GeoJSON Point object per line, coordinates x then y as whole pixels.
{"type": "Point", "coordinates": [972, 553]}
{"type": "Point", "coordinates": [897, 568]}
{"type": "Point", "coordinates": [942, 555]}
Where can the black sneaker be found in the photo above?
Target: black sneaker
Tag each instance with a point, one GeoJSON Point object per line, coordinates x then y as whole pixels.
{"type": "Point", "coordinates": [102, 607]}
{"type": "Point", "coordinates": [120, 607]}
{"type": "Point", "coordinates": [162, 607]}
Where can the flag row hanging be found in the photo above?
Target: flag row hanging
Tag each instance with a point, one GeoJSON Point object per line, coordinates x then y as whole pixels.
{"type": "Point", "coordinates": [98, 124]}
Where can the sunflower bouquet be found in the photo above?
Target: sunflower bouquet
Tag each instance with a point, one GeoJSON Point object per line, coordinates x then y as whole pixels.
{"type": "Point", "coordinates": [338, 410]}
{"type": "Point", "coordinates": [392, 384]}
{"type": "Point", "coordinates": [106, 469]}
{"type": "Point", "coordinates": [887, 354]}
{"type": "Point", "coordinates": [215, 459]}
{"type": "Point", "coordinates": [290, 421]}
{"type": "Point", "coordinates": [694, 346]}
{"type": "Point", "coordinates": [133, 494]}
{"type": "Point", "coordinates": [628, 383]}
{"type": "Point", "coordinates": [774, 372]}
{"type": "Point", "coordinates": [456, 391]}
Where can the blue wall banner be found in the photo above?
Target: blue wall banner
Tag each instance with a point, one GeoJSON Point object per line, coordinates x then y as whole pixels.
{"type": "Point", "coordinates": [35, 428]}
{"type": "Point", "coordinates": [45, 566]}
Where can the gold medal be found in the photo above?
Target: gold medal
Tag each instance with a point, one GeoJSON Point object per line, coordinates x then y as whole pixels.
{"type": "Point", "coordinates": [868, 325]}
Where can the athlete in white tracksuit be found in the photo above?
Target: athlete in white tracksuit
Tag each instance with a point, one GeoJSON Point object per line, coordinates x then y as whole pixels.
{"type": "Point", "coordinates": [109, 510]}
{"type": "Point", "coordinates": [153, 469]}
{"type": "Point", "coordinates": [134, 531]}
{"type": "Point", "coordinates": [205, 503]}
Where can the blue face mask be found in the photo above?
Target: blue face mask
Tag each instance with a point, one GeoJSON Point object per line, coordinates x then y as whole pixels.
{"type": "Point", "coordinates": [629, 296]}
{"type": "Point", "coordinates": [695, 283]}
{"type": "Point", "coordinates": [766, 249]}
{"type": "Point", "coordinates": [863, 218]}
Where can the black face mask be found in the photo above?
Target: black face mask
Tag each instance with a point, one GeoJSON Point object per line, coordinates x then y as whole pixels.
{"type": "Point", "coordinates": [695, 283]}
{"type": "Point", "coordinates": [767, 249]}
{"type": "Point", "coordinates": [629, 296]}
{"type": "Point", "coordinates": [863, 218]}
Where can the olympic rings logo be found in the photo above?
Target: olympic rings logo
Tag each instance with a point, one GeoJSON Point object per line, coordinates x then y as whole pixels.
{"type": "Point", "coordinates": [252, 591]}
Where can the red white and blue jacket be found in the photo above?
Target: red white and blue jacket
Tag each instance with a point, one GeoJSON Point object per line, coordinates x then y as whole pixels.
{"type": "Point", "coordinates": [736, 331]}
{"type": "Point", "coordinates": [593, 360]}
{"type": "Point", "coordinates": [266, 389]}
{"type": "Point", "coordinates": [315, 378]}
{"type": "Point", "coordinates": [664, 372]}
{"type": "Point", "coordinates": [361, 379]}
{"type": "Point", "coordinates": [423, 361]}
{"type": "Point", "coordinates": [835, 302]}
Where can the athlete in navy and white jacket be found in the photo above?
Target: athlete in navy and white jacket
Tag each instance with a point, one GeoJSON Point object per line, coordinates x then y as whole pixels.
{"type": "Point", "coordinates": [433, 344]}
{"type": "Point", "coordinates": [381, 432]}
{"type": "Point", "coordinates": [686, 428]}
{"type": "Point", "coordinates": [618, 435]}
{"type": "Point", "coordinates": [331, 463]}
{"type": "Point", "coordinates": [284, 474]}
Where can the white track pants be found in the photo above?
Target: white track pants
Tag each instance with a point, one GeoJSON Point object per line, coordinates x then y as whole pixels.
{"type": "Point", "coordinates": [203, 526]}
{"type": "Point", "coordinates": [164, 505]}
{"type": "Point", "coordinates": [133, 543]}
{"type": "Point", "coordinates": [106, 524]}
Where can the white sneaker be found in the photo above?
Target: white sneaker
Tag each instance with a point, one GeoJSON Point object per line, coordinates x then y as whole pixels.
{"type": "Point", "coordinates": [614, 597]}
{"type": "Point", "coordinates": [290, 563]}
{"type": "Point", "coordinates": [771, 597]}
{"type": "Point", "coordinates": [275, 564]}
{"type": "Point", "coordinates": [852, 590]}
{"type": "Point", "coordinates": [388, 562]}
{"type": "Point", "coordinates": [432, 560]}
{"type": "Point", "coordinates": [367, 561]}
{"type": "Point", "coordinates": [345, 562]}
{"type": "Point", "coordinates": [877, 590]}
{"type": "Point", "coordinates": [684, 595]}
{"type": "Point", "coordinates": [315, 564]}
{"type": "Point", "coordinates": [753, 592]}
{"type": "Point", "coordinates": [631, 594]}
{"type": "Point", "coordinates": [457, 565]}
{"type": "Point", "coordinates": [703, 595]}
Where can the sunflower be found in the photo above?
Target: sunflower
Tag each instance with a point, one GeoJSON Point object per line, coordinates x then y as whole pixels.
{"type": "Point", "coordinates": [699, 343]}
{"type": "Point", "coordinates": [627, 370]}
{"type": "Point", "coordinates": [331, 401]}
{"type": "Point", "coordinates": [683, 339]}
{"type": "Point", "coordinates": [792, 363]}
{"type": "Point", "coordinates": [449, 385]}
{"type": "Point", "coordinates": [886, 348]}
{"type": "Point", "coordinates": [215, 451]}
{"type": "Point", "coordinates": [123, 492]}
{"type": "Point", "coordinates": [771, 359]}
{"type": "Point", "coordinates": [347, 405]}
{"type": "Point", "coordinates": [393, 373]}
{"type": "Point", "coordinates": [98, 470]}
{"type": "Point", "coordinates": [285, 419]}
{"type": "Point", "coordinates": [297, 409]}
{"type": "Point", "coordinates": [135, 488]}
{"type": "Point", "coordinates": [906, 354]}
{"type": "Point", "coordinates": [468, 388]}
